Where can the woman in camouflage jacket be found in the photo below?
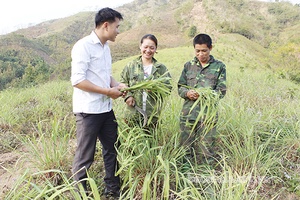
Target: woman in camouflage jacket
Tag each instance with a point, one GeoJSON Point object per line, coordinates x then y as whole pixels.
{"type": "Point", "coordinates": [142, 68]}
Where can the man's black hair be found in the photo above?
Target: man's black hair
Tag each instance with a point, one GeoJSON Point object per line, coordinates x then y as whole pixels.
{"type": "Point", "coordinates": [202, 39]}
{"type": "Point", "coordinates": [106, 15]}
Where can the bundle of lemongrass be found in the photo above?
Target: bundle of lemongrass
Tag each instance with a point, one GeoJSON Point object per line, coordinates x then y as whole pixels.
{"type": "Point", "coordinates": [158, 86]}
{"type": "Point", "coordinates": [206, 107]}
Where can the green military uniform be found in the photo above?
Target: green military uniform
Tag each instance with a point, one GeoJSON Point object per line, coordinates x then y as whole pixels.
{"type": "Point", "coordinates": [195, 76]}
{"type": "Point", "coordinates": [132, 74]}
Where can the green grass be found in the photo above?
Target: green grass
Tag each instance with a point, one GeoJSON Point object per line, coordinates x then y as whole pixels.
{"type": "Point", "coordinates": [259, 137]}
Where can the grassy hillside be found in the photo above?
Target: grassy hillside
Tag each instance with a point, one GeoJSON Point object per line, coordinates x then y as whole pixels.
{"type": "Point", "coordinates": [274, 26]}
{"type": "Point", "coordinates": [259, 117]}
{"type": "Point", "coordinates": [258, 128]}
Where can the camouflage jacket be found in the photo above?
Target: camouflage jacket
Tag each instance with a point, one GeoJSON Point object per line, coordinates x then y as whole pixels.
{"type": "Point", "coordinates": [133, 73]}
{"type": "Point", "coordinates": [212, 76]}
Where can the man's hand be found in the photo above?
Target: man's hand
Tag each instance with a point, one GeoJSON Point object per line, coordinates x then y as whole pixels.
{"type": "Point", "coordinates": [192, 95]}
{"type": "Point", "coordinates": [130, 101]}
{"type": "Point", "coordinates": [114, 93]}
{"type": "Point", "coordinates": [122, 86]}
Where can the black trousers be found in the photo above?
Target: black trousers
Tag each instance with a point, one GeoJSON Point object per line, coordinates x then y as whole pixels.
{"type": "Point", "coordinates": [90, 127]}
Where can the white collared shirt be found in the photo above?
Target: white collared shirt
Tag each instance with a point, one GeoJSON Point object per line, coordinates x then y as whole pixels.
{"type": "Point", "coordinates": [91, 60]}
{"type": "Point", "coordinates": [147, 73]}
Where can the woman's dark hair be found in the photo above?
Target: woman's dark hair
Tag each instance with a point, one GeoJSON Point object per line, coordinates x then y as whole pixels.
{"type": "Point", "coordinates": [106, 15]}
{"type": "Point", "coordinates": [202, 39]}
{"type": "Point", "coordinates": [151, 37]}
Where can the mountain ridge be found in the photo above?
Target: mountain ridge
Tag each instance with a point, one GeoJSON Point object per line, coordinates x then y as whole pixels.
{"type": "Point", "coordinates": [174, 22]}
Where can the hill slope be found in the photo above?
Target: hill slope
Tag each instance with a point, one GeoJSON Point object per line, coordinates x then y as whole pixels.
{"type": "Point", "coordinates": [258, 121]}
{"type": "Point", "coordinates": [174, 22]}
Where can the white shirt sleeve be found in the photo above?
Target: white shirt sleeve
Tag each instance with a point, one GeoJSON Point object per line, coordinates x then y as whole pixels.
{"type": "Point", "coordinates": [80, 60]}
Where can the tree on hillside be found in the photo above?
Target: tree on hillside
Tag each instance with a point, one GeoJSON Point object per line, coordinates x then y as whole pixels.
{"type": "Point", "coordinates": [192, 31]}
{"type": "Point", "coordinates": [14, 72]}
{"type": "Point", "coordinates": [37, 71]}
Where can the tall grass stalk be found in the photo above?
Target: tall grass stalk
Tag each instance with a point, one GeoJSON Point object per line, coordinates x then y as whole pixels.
{"type": "Point", "coordinates": [244, 147]}
{"type": "Point", "coordinates": [28, 187]}
{"type": "Point", "coordinates": [148, 169]}
{"type": "Point", "coordinates": [49, 150]}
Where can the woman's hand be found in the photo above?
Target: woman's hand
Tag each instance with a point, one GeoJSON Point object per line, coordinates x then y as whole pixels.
{"type": "Point", "coordinates": [130, 101]}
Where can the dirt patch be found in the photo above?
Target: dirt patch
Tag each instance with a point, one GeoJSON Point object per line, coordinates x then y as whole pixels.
{"type": "Point", "coordinates": [12, 167]}
{"type": "Point", "coordinates": [7, 173]}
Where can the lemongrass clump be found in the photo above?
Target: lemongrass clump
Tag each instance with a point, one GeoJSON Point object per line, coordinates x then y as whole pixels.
{"type": "Point", "coordinates": [158, 86]}
{"type": "Point", "coordinates": [207, 102]}
{"type": "Point", "coordinates": [206, 108]}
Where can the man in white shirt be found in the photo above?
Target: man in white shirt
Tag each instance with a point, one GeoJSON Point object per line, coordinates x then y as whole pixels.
{"type": "Point", "coordinates": [94, 89]}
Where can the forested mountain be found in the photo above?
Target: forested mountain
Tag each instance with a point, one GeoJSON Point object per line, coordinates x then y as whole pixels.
{"type": "Point", "coordinates": [41, 53]}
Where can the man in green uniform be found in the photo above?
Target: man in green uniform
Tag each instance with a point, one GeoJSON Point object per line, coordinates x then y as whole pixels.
{"type": "Point", "coordinates": [201, 84]}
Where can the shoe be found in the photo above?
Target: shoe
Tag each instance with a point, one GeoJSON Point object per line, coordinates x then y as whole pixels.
{"type": "Point", "coordinates": [109, 194]}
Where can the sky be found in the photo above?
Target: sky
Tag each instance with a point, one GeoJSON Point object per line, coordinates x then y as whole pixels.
{"type": "Point", "coordinates": [16, 14]}
{"type": "Point", "coordinates": [292, 1]}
